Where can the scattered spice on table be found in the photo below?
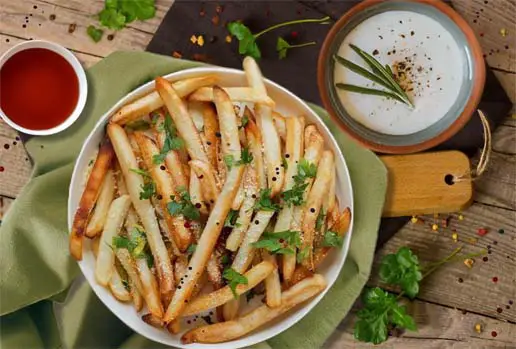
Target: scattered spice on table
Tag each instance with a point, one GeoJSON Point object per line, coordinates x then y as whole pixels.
{"type": "Point", "coordinates": [501, 231]}
{"type": "Point", "coordinates": [478, 328]}
{"type": "Point", "coordinates": [468, 262]}
{"type": "Point", "coordinates": [177, 54]}
{"type": "Point", "coordinates": [494, 334]}
{"type": "Point", "coordinates": [495, 279]}
{"type": "Point", "coordinates": [435, 227]}
{"type": "Point", "coordinates": [461, 217]}
{"type": "Point", "coordinates": [414, 219]}
{"type": "Point", "coordinates": [503, 32]}
{"type": "Point", "coordinates": [228, 39]}
{"type": "Point", "coordinates": [455, 237]}
{"type": "Point", "coordinates": [482, 231]}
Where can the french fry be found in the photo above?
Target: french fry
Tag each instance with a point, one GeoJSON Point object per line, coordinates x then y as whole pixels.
{"type": "Point", "coordinates": [223, 295]}
{"type": "Point", "coordinates": [237, 94]}
{"type": "Point", "coordinates": [153, 320]}
{"type": "Point", "coordinates": [206, 243]}
{"type": "Point", "coordinates": [254, 141]}
{"type": "Point", "coordinates": [279, 123]}
{"type": "Point", "coordinates": [211, 127]}
{"type": "Point", "coordinates": [89, 198]}
{"type": "Point", "coordinates": [226, 331]}
{"type": "Point", "coordinates": [246, 210]}
{"type": "Point", "coordinates": [245, 253]}
{"type": "Point", "coordinates": [314, 203]}
{"type": "Point", "coordinates": [272, 284]}
{"type": "Point", "coordinates": [176, 224]}
{"type": "Point", "coordinates": [185, 126]}
{"type": "Point", "coordinates": [329, 203]}
{"type": "Point", "coordinates": [341, 227]}
{"type": "Point", "coordinates": [272, 146]}
{"type": "Point", "coordinates": [173, 158]}
{"type": "Point", "coordinates": [117, 288]}
{"type": "Point", "coordinates": [135, 283]}
{"type": "Point", "coordinates": [105, 263]}
{"type": "Point", "coordinates": [213, 270]}
{"type": "Point", "coordinates": [196, 193]}
{"type": "Point", "coordinates": [180, 268]}
{"type": "Point", "coordinates": [152, 101]}
{"type": "Point", "coordinates": [206, 175]}
{"type": "Point", "coordinates": [98, 218]}
{"type": "Point", "coordinates": [294, 148]}
{"type": "Point", "coordinates": [144, 208]}
{"type": "Point", "coordinates": [150, 291]}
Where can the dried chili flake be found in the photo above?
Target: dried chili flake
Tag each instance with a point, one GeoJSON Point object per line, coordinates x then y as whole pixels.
{"type": "Point", "coordinates": [414, 219]}
{"type": "Point", "coordinates": [200, 40]}
{"type": "Point", "coordinates": [177, 54]}
{"type": "Point", "coordinates": [473, 240]}
{"type": "Point", "coordinates": [503, 32]}
{"type": "Point", "coordinates": [294, 34]}
{"type": "Point", "coordinates": [468, 262]}
{"type": "Point", "coordinates": [215, 20]}
{"type": "Point", "coordinates": [193, 39]}
{"type": "Point", "coordinates": [455, 237]}
{"type": "Point", "coordinates": [228, 39]}
{"type": "Point", "coordinates": [495, 279]}
{"type": "Point", "coordinates": [478, 328]}
{"type": "Point", "coordinates": [219, 9]}
{"type": "Point", "coordinates": [435, 227]}
{"type": "Point", "coordinates": [482, 231]}
{"type": "Point", "coordinates": [461, 217]}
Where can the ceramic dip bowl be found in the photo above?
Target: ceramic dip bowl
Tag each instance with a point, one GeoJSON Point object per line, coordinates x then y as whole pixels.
{"type": "Point", "coordinates": [430, 51]}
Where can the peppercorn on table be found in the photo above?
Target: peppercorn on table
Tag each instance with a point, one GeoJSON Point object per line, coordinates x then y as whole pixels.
{"type": "Point", "coordinates": [468, 303]}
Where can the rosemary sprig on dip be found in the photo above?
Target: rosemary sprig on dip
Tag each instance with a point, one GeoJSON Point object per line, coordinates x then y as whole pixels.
{"type": "Point", "coordinates": [379, 74]}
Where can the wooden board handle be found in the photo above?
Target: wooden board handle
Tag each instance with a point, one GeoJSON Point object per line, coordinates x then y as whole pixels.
{"type": "Point", "coordinates": [423, 183]}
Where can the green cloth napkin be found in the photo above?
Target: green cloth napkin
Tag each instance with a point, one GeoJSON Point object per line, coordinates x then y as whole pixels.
{"type": "Point", "coordinates": [36, 269]}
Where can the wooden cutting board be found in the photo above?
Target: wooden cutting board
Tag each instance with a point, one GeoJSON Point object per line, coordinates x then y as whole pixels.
{"type": "Point", "coordinates": [424, 183]}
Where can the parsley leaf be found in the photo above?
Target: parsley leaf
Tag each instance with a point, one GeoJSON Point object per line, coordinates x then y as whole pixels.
{"type": "Point", "coordinates": [265, 203]}
{"type": "Point", "coordinates": [305, 170]}
{"type": "Point", "coordinates": [191, 249]}
{"type": "Point", "coordinates": [320, 220]}
{"type": "Point", "coordinates": [402, 268]}
{"type": "Point", "coordinates": [148, 190]}
{"type": "Point", "coordinates": [184, 206]}
{"type": "Point", "coordinates": [244, 121]}
{"type": "Point", "coordinates": [295, 195]}
{"type": "Point", "coordinates": [380, 309]}
{"type": "Point", "coordinates": [172, 141]}
{"type": "Point", "coordinates": [284, 242]}
{"type": "Point", "coordinates": [94, 33]}
{"type": "Point", "coordinates": [229, 160]}
{"type": "Point", "coordinates": [112, 18]}
{"type": "Point", "coordinates": [246, 157]}
{"type": "Point", "coordinates": [283, 46]}
{"type": "Point", "coordinates": [234, 279]}
{"type": "Point", "coordinates": [140, 172]}
{"type": "Point", "coordinates": [332, 239]}
{"type": "Point", "coordinates": [117, 13]}
{"type": "Point", "coordinates": [136, 243]}
{"type": "Point", "coordinates": [231, 219]}
{"type": "Point", "coordinates": [246, 40]}
{"type": "Point", "coordinates": [284, 163]}
{"type": "Point", "coordinates": [303, 254]}
{"type": "Point", "coordinates": [225, 260]}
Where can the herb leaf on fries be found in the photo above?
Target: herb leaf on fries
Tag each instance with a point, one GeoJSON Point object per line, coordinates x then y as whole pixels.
{"type": "Point", "coordinates": [234, 279]}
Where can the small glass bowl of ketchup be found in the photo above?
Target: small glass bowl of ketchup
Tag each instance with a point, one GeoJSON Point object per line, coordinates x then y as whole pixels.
{"type": "Point", "coordinates": [43, 88]}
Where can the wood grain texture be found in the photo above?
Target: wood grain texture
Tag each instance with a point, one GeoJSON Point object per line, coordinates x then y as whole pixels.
{"type": "Point", "coordinates": [416, 183]}
{"type": "Point", "coordinates": [438, 327]}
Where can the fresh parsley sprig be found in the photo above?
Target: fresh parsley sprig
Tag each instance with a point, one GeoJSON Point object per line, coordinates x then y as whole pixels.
{"type": "Point", "coordinates": [265, 202]}
{"type": "Point", "coordinates": [282, 46]}
{"type": "Point", "coordinates": [283, 242]}
{"type": "Point", "coordinates": [246, 157]}
{"type": "Point", "coordinates": [148, 187]}
{"type": "Point", "coordinates": [231, 219]}
{"type": "Point", "coordinates": [184, 206]}
{"type": "Point", "coordinates": [295, 195]}
{"type": "Point", "coordinates": [172, 141]}
{"type": "Point", "coordinates": [247, 45]}
{"type": "Point", "coordinates": [135, 243]}
{"type": "Point", "coordinates": [402, 268]}
{"type": "Point", "coordinates": [234, 279]}
{"type": "Point", "coordinates": [332, 239]}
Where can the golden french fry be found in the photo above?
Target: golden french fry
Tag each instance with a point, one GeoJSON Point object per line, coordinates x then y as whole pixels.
{"type": "Point", "coordinates": [254, 141]}
{"type": "Point", "coordinates": [180, 268]}
{"type": "Point", "coordinates": [205, 174]}
{"type": "Point", "coordinates": [238, 94]}
{"type": "Point", "coordinates": [176, 224]}
{"type": "Point", "coordinates": [279, 122]}
{"type": "Point", "coordinates": [89, 198]}
{"type": "Point", "coordinates": [117, 288]}
{"type": "Point", "coordinates": [272, 284]}
{"type": "Point", "coordinates": [314, 203]}
{"type": "Point", "coordinates": [152, 101]}
{"type": "Point", "coordinates": [98, 218]}
{"type": "Point", "coordinates": [245, 253]}
{"type": "Point", "coordinates": [230, 309]}
{"type": "Point", "coordinates": [135, 283]}
{"type": "Point", "coordinates": [211, 127]}
{"type": "Point", "coordinates": [329, 202]}
{"type": "Point", "coordinates": [229, 330]}
{"type": "Point", "coordinates": [206, 243]}
{"type": "Point", "coordinates": [214, 272]}
{"type": "Point", "coordinates": [263, 113]}
{"type": "Point", "coordinates": [150, 291]}
{"type": "Point", "coordinates": [196, 193]}
{"type": "Point", "coordinates": [105, 263]}
{"type": "Point", "coordinates": [153, 320]}
{"type": "Point", "coordinates": [144, 208]}
{"type": "Point", "coordinates": [223, 295]}
{"type": "Point", "coordinates": [246, 210]}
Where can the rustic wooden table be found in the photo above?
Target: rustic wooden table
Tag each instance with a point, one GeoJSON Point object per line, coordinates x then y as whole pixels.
{"type": "Point", "coordinates": [455, 298]}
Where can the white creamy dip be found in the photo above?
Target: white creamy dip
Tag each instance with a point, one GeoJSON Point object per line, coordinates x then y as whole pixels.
{"type": "Point", "coordinates": [431, 63]}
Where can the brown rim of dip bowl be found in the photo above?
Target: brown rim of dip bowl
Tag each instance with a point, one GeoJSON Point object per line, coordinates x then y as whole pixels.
{"type": "Point", "coordinates": [476, 63]}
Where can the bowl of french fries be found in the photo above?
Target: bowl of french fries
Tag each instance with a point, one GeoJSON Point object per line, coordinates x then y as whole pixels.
{"type": "Point", "coordinates": [211, 208]}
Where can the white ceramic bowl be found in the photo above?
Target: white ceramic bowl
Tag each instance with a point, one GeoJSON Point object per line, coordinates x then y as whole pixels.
{"type": "Point", "coordinates": [79, 72]}
{"type": "Point", "coordinates": [287, 104]}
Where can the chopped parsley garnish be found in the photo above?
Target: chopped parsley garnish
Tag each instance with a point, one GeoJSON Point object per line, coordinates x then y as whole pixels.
{"type": "Point", "coordinates": [265, 203]}
{"type": "Point", "coordinates": [332, 239]}
{"type": "Point", "coordinates": [135, 243]}
{"type": "Point", "coordinates": [94, 33]}
{"type": "Point", "coordinates": [244, 121]}
{"type": "Point", "coordinates": [184, 206]}
{"type": "Point", "coordinates": [295, 195]}
{"type": "Point", "coordinates": [191, 249]}
{"type": "Point", "coordinates": [231, 219]}
{"type": "Point", "coordinates": [303, 254]}
{"type": "Point", "coordinates": [140, 172]}
{"type": "Point", "coordinates": [234, 279]}
{"type": "Point", "coordinates": [320, 220]}
{"type": "Point", "coordinates": [225, 260]}
{"type": "Point", "coordinates": [148, 190]}
{"type": "Point", "coordinates": [246, 158]}
{"type": "Point", "coordinates": [172, 141]}
{"type": "Point", "coordinates": [283, 242]}
{"type": "Point", "coordinates": [305, 170]}
{"type": "Point", "coordinates": [284, 162]}
{"type": "Point", "coordinates": [139, 125]}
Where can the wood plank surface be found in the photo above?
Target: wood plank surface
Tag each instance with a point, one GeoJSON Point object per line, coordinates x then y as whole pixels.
{"type": "Point", "coordinates": [446, 310]}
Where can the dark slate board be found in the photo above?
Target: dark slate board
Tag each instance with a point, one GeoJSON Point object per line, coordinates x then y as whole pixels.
{"type": "Point", "coordinates": [298, 72]}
